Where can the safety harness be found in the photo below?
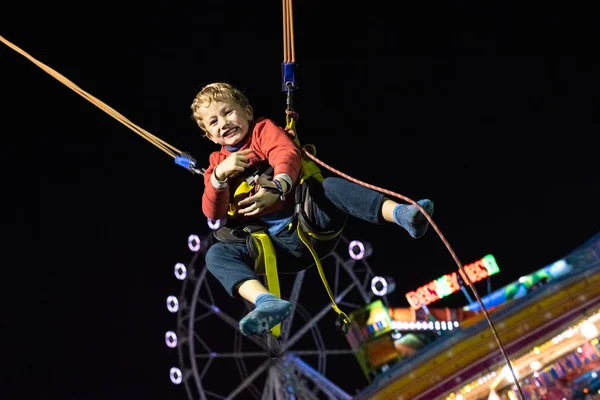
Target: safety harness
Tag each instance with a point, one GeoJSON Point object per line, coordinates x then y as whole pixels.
{"type": "Point", "coordinates": [259, 242]}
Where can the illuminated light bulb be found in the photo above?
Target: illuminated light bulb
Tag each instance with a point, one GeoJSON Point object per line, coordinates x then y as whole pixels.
{"type": "Point", "coordinates": [172, 304]}
{"type": "Point", "coordinates": [356, 249]}
{"type": "Point", "coordinates": [171, 339]}
{"type": "Point", "coordinates": [180, 271]}
{"type": "Point", "coordinates": [214, 225]}
{"type": "Point", "coordinates": [194, 243]}
{"type": "Point", "coordinates": [379, 286]}
{"type": "Point", "coordinates": [176, 375]}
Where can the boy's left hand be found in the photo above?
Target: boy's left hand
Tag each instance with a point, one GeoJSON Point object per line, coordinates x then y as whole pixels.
{"type": "Point", "coordinates": [259, 202]}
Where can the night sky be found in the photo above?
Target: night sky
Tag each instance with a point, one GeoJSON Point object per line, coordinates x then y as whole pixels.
{"type": "Point", "coordinates": [491, 111]}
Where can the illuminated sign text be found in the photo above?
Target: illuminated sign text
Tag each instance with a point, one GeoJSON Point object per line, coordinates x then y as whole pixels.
{"type": "Point", "coordinates": [449, 283]}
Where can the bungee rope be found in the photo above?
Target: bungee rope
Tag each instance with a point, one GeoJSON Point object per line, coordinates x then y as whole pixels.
{"type": "Point", "coordinates": [288, 85]}
{"type": "Point", "coordinates": [161, 144]}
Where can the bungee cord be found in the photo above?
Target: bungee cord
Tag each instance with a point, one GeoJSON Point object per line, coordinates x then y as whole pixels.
{"type": "Point", "coordinates": [289, 55]}
{"type": "Point", "coordinates": [161, 144]}
{"type": "Point", "coordinates": [289, 85]}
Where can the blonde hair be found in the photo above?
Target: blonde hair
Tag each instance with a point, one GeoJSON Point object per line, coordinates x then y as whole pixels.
{"type": "Point", "coordinates": [218, 91]}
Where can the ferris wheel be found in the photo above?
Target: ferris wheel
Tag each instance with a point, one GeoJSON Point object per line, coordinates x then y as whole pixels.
{"type": "Point", "coordinates": [215, 361]}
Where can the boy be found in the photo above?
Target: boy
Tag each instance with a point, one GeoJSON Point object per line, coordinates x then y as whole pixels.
{"type": "Point", "coordinates": [225, 115]}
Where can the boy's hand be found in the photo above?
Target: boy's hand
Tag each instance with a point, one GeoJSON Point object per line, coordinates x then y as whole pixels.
{"type": "Point", "coordinates": [261, 201]}
{"type": "Point", "coordinates": [233, 165]}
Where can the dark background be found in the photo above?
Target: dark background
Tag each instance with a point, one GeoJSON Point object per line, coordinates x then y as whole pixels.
{"type": "Point", "coordinates": [489, 110]}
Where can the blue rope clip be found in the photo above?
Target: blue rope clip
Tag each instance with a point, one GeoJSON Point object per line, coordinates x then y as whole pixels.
{"type": "Point", "coordinates": [188, 162]}
{"type": "Point", "coordinates": [288, 78]}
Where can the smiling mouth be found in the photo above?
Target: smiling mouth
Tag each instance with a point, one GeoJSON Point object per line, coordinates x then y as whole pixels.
{"type": "Point", "coordinates": [230, 132]}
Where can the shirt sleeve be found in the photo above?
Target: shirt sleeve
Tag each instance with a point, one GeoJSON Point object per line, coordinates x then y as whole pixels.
{"type": "Point", "coordinates": [215, 199]}
{"type": "Point", "coordinates": [281, 152]}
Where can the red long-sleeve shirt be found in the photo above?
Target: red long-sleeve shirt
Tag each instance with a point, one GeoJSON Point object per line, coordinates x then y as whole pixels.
{"type": "Point", "coordinates": [269, 142]}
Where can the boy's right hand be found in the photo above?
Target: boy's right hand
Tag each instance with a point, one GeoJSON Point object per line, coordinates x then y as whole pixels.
{"type": "Point", "coordinates": [233, 165]}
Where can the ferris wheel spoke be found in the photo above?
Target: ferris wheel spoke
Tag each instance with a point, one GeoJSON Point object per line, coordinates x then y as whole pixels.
{"type": "Point", "coordinates": [287, 324]}
{"type": "Point", "coordinates": [356, 281]}
{"type": "Point", "coordinates": [316, 318]}
{"type": "Point", "coordinates": [214, 355]}
{"type": "Point", "coordinates": [215, 395]}
{"type": "Point", "coordinates": [211, 298]}
{"type": "Point", "coordinates": [349, 305]}
{"type": "Point", "coordinates": [336, 281]}
{"type": "Point", "coordinates": [202, 342]}
{"type": "Point", "coordinates": [257, 372]}
{"type": "Point", "coordinates": [268, 389]}
{"type": "Point", "coordinates": [202, 316]}
{"type": "Point", "coordinates": [230, 321]}
{"type": "Point", "coordinates": [216, 311]}
{"type": "Point", "coordinates": [329, 388]}
{"type": "Point", "coordinates": [205, 369]}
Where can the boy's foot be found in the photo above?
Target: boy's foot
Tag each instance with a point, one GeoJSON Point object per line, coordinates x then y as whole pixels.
{"type": "Point", "coordinates": [269, 312]}
{"type": "Point", "coordinates": [410, 218]}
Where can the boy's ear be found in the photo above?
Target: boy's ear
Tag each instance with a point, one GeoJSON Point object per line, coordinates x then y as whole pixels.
{"type": "Point", "coordinates": [250, 112]}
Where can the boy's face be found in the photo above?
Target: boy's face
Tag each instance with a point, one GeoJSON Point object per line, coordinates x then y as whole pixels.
{"type": "Point", "coordinates": [226, 122]}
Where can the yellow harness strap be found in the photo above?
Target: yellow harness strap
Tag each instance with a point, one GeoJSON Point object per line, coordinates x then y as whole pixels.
{"type": "Point", "coordinates": [304, 237]}
{"type": "Point", "coordinates": [240, 193]}
{"type": "Point", "coordinates": [311, 170]}
{"type": "Point", "coordinates": [266, 260]}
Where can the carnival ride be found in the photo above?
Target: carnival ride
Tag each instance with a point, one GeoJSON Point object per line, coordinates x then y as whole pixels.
{"type": "Point", "coordinates": [569, 303]}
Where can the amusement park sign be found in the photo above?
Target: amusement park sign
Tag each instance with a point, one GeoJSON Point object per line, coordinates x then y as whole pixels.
{"type": "Point", "coordinates": [449, 283]}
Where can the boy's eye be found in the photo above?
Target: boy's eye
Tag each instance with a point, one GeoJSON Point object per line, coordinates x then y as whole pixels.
{"type": "Point", "coordinates": [212, 122]}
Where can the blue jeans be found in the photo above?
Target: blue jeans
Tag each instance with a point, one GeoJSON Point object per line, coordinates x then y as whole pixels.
{"type": "Point", "coordinates": [232, 264]}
